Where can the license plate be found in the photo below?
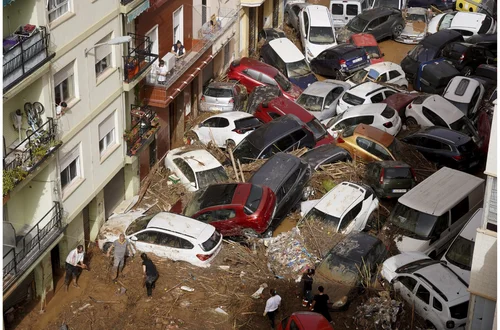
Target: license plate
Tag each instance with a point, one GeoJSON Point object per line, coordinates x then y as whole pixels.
{"type": "Point", "coordinates": [215, 109]}
{"type": "Point", "coordinates": [398, 190]}
{"type": "Point", "coordinates": [357, 60]}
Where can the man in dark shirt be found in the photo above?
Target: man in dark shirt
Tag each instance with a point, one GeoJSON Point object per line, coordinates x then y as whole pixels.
{"type": "Point", "coordinates": [320, 304]}
{"type": "Point", "coordinates": [150, 274]}
{"type": "Point", "coordinates": [307, 280]}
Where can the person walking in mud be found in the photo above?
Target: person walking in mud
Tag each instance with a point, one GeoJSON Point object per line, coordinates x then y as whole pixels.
{"type": "Point", "coordinates": [272, 305]}
{"type": "Point", "coordinates": [121, 246]}
{"type": "Point", "coordinates": [74, 266]}
{"type": "Point", "coordinates": [320, 304]}
{"type": "Point", "coordinates": [307, 280]}
{"type": "Point", "coordinates": [150, 274]}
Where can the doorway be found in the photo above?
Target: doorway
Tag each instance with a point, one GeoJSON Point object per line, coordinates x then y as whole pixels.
{"type": "Point", "coordinates": [203, 12]}
{"type": "Point", "coordinates": [57, 270]}
{"type": "Point", "coordinates": [86, 226]}
{"type": "Point", "coordinates": [153, 36]}
{"type": "Point", "coordinates": [178, 25]}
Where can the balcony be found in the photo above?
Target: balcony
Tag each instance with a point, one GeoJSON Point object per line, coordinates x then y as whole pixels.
{"type": "Point", "coordinates": [133, 8]}
{"type": "Point", "coordinates": [138, 61]}
{"type": "Point", "coordinates": [20, 252]}
{"type": "Point", "coordinates": [24, 53]}
{"type": "Point", "coordinates": [144, 124]}
{"type": "Point", "coordinates": [24, 157]}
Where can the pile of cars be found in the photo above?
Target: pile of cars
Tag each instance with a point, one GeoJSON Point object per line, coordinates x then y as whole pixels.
{"type": "Point", "coordinates": [362, 110]}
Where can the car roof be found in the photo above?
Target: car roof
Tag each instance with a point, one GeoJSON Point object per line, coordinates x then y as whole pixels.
{"type": "Point", "coordinates": [383, 66]}
{"type": "Point", "coordinates": [324, 151]}
{"type": "Point", "coordinates": [199, 160]}
{"type": "Point", "coordinates": [319, 15]}
{"type": "Point", "coordinates": [364, 109]}
{"type": "Point", "coordinates": [319, 88]}
{"type": "Point", "coordinates": [468, 93]}
{"type": "Point", "coordinates": [288, 106]}
{"type": "Point", "coordinates": [467, 20]}
{"type": "Point", "coordinates": [217, 194]}
{"type": "Point", "coordinates": [179, 224]}
{"type": "Point", "coordinates": [443, 107]}
{"type": "Point", "coordinates": [375, 134]}
{"type": "Point", "coordinates": [445, 280]}
{"type": "Point", "coordinates": [355, 246]}
{"type": "Point", "coordinates": [338, 200]}
{"type": "Point", "coordinates": [376, 12]}
{"type": "Point", "coordinates": [441, 37]}
{"type": "Point", "coordinates": [342, 48]}
{"type": "Point", "coordinates": [232, 115]}
{"type": "Point", "coordinates": [275, 170]}
{"type": "Point", "coordinates": [364, 39]}
{"type": "Point", "coordinates": [366, 88]}
{"type": "Point", "coordinates": [400, 99]}
{"type": "Point", "coordinates": [222, 84]}
{"type": "Point", "coordinates": [453, 137]}
{"type": "Point", "coordinates": [250, 63]}
{"type": "Point", "coordinates": [391, 163]}
{"type": "Point", "coordinates": [273, 130]}
{"type": "Point", "coordinates": [312, 320]}
{"type": "Point", "coordinates": [287, 50]}
{"type": "Point", "coordinates": [416, 10]}
{"type": "Point", "coordinates": [440, 191]}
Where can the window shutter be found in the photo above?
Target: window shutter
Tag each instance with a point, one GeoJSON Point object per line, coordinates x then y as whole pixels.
{"type": "Point", "coordinates": [69, 157]}
{"type": "Point", "coordinates": [63, 73]}
{"type": "Point", "coordinates": [107, 125]}
{"type": "Point", "coordinates": [103, 50]}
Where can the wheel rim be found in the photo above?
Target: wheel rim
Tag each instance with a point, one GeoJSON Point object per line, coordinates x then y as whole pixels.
{"type": "Point", "coordinates": [411, 122]}
{"type": "Point", "coordinates": [397, 30]}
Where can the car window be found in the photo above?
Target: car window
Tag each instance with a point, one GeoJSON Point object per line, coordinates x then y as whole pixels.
{"type": "Point", "coordinates": [264, 78]}
{"type": "Point", "coordinates": [171, 241]}
{"type": "Point", "coordinates": [442, 224]}
{"type": "Point", "coordinates": [284, 143]}
{"type": "Point", "coordinates": [331, 97]}
{"type": "Point", "coordinates": [337, 9]}
{"type": "Point", "coordinates": [433, 117]}
{"type": "Point", "coordinates": [206, 217]}
{"type": "Point", "coordinates": [224, 214]}
{"type": "Point", "coordinates": [291, 180]}
{"type": "Point", "coordinates": [377, 98]}
{"type": "Point", "coordinates": [298, 135]}
{"type": "Point", "coordinates": [373, 24]}
{"type": "Point", "coordinates": [423, 294]}
{"type": "Point", "coordinates": [474, 99]}
{"type": "Point", "coordinates": [185, 169]}
{"type": "Point", "coordinates": [350, 216]}
{"type": "Point", "coordinates": [252, 74]}
{"type": "Point", "coordinates": [306, 23]}
{"type": "Point", "coordinates": [382, 78]}
{"type": "Point", "coordinates": [460, 209]}
{"type": "Point", "coordinates": [393, 74]}
{"type": "Point", "coordinates": [364, 143]}
{"type": "Point", "coordinates": [147, 236]}
{"type": "Point", "coordinates": [436, 304]}
{"type": "Point", "coordinates": [380, 152]}
{"type": "Point", "coordinates": [274, 115]}
{"type": "Point", "coordinates": [223, 122]}
{"type": "Point", "coordinates": [296, 10]}
{"type": "Point", "coordinates": [389, 93]}
{"type": "Point", "coordinates": [408, 282]}
{"type": "Point", "coordinates": [352, 10]}
{"type": "Point", "coordinates": [211, 122]}
{"type": "Point", "coordinates": [433, 144]}
{"type": "Point", "coordinates": [294, 326]}
{"type": "Point", "coordinates": [368, 120]}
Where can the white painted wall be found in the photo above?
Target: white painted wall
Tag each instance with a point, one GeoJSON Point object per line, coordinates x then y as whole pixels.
{"type": "Point", "coordinates": [484, 265]}
{"type": "Point", "coordinates": [19, 13]}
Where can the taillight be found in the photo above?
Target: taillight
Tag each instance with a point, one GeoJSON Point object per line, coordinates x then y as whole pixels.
{"type": "Point", "coordinates": [342, 62]}
{"type": "Point", "coordinates": [381, 179]}
{"type": "Point", "coordinates": [204, 257]}
{"type": "Point", "coordinates": [414, 175]}
{"type": "Point", "coordinates": [239, 131]}
{"type": "Point", "coordinates": [231, 100]}
{"type": "Point", "coordinates": [340, 140]}
{"type": "Point", "coordinates": [457, 157]}
{"type": "Point", "coordinates": [203, 98]}
{"type": "Point", "coordinates": [462, 57]}
{"type": "Point", "coordinates": [388, 124]}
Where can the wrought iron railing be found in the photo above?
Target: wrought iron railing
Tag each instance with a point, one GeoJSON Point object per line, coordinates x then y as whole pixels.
{"type": "Point", "coordinates": [18, 259]}
{"type": "Point", "coordinates": [23, 54]}
{"type": "Point", "coordinates": [144, 124]}
{"type": "Point", "coordinates": [25, 153]}
{"type": "Point", "coordinates": [139, 58]}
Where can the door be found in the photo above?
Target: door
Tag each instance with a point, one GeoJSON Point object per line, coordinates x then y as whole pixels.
{"type": "Point", "coordinates": [114, 192]}
{"type": "Point", "coordinates": [178, 22]}
{"type": "Point", "coordinates": [206, 127]}
{"type": "Point", "coordinates": [173, 247]}
{"type": "Point", "coordinates": [153, 37]}
{"type": "Point", "coordinates": [406, 286]}
{"type": "Point", "coordinates": [337, 9]}
{"type": "Point", "coordinates": [422, 300]}
{"type": "Point", "coordinates": [351, 11]}
{"type": "Point", "coordinates": [483, 313]}
{"type": "Point", "coordinates": [146, 241]}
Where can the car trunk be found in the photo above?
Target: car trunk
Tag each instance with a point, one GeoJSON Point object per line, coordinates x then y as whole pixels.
{"type": "Point", "coordinates": [397, 179]}
{"type": "Point", "coordinates": [218, 96]}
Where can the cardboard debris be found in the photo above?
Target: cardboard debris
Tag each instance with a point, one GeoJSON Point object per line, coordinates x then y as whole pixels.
{"type": "Point", "coordinates": [382, 313]}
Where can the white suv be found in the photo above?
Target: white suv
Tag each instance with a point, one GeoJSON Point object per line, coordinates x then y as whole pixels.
{"type": "Point", "coordinates": [466, 94]}
{"type": "Point", "coordinates": [365, 93]}
{"type": "Point", "coordinates": [439, 295]}
{"type": "Point", "coordinates": [316, 30]}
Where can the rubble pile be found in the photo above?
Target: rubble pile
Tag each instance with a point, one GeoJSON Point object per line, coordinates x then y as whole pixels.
{"type": "Point", "coordinates": [319, 237]}
{"type": "Point", "coordinates": [380, 312]}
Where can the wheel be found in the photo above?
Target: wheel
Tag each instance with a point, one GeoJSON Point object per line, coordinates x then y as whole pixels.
{"type": "Point", "coordinates": [230, 144]}
{"type": "Point", "coordinates": [467, 71]}
{"type": "Point", "coordinates": [106, 247]}
{"type": "Point", "coordinates": [39, 108]}
{"type": "Point", "coordinates": [410, 121]}
{"type": "Point", "coordinates": [429, 325]}
{"type": "Point", "coordinates": [396, 32]}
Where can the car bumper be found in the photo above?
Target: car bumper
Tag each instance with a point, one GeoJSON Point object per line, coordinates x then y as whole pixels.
{"type": "Point", "coordinates": [216, 107]}
{"type": "Point", "coordinates": [409, 40]}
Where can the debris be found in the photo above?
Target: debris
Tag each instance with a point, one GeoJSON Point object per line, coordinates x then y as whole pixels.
{"type": "Point", "coordinates": [224, 267]}
{"type": "Point", "coordinates": [221, 311]}
{"type": "Point", "coordinates": [82, 308]}
{"type": "Point", "coordinates": [186, 288]}
{"type": "Point", "coordinates": [381, 312]}
{"type": "Point", "coordinates": [259, 291]}
{"type": "Point", "coordinates": [104, 301]}
{"type": "Point", "coordinates": [184, 303]}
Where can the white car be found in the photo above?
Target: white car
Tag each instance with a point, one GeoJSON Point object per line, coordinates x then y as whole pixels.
{"type": "Point", "coordinates": [365, 93]}
{"type": "Point", "coordinates": [321, 97]}
{"type": "Point", "coordinates": [439, 295]}
{"type": "Point", "coordinates": [347, 207]}
{"type": "Point", "coordinates": [378, 115]}
{"type": "Point", "coordinates": [164, 234]}
{"type": "Point", "coordinates": [196, 169]}
{"type": "Point", "coordinates": [468, 24]}
{"type": "Point", "coordinates": [466, 94]}
{"type": "Point", "coordinates": [435, 110]}
{"type": "Point", "coordinates": [386, 72]}
{"type": "Point", "coordinates": [226, 129]}
{"type": "Point", "coordinates": [416, 26]}
{"type": "Point", "coordinates": [316, 30]}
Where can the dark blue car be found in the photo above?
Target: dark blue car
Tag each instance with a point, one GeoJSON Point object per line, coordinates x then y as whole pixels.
{"type": "Point", "coordinates": [439, 4]}
{"type": "Point", "coordinates": [340, 61]}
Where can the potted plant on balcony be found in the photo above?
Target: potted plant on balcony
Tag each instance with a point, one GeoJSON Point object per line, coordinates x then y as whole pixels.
{"type": "Point", "coordinates": [11, 178]}
{"type": "Point", "coordinates": [137, 145]}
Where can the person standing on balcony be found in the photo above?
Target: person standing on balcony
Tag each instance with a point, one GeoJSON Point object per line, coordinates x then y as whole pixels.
{"type": "Point", "coordinates": [178, 49]}
{"type": "Point", "coordinates": [121, 246]}
{"type": "Point", "coordinates": [162, 73]}
{"type": "Point", "coordinates": [74, 266]}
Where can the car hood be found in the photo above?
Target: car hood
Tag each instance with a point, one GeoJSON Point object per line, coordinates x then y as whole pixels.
{"type": "Point", "coordinates": [389, 266]}
{"type": "Point", "coordinates": [118, 223]}
{"type": "Point", "coordinates": [344, 34]}
{"type": "Point", "coordinates": [432, 27]}
{"type": "Point", "coordinates": [414, 29]}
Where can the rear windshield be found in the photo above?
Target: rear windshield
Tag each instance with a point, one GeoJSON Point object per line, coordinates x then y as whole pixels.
{"type": "Point", "coordinates": [246, 152]}
{"type": "Point", "coordinates": [317, 129]}
{"type": "Point", "coordinates": [212, 242]}
{"type": "Point", "coordinates": [310, 102]}
{"type": "Point", "coordinates": [249, 122]}
{"type": "Point", "coordinates": [284, 83]}
{"type": "Point", "coordinates": [460, 253]}
{"type": "Point", "coordinates": [214, 175]}
{"type": "Point", "coordinates": [397, 173]}
{"type": "Point", "coordinates": [422, 54]}
{"type": "Point", "coordinates": [253, 201]}
{"type": "Point", "coordinates": [486, 25]}
{"type": "Point", "coordinates": [352, 54]}
{"type": "Point", "coordinates": [414, 223]}
{"type": "Point", "coordinates": [321, 35]}
{"type": "Point", "coordinates": [219, 92]}
{"type": "Point", "coordinates": [352, 99]}
{"type": "Point", "coordinates": [387, 3]}
{"type": "Point", "coordinates": [373, 51]}
{"type": "Point", "coordinates": [459, 311]}
{"type": "Point", "coordinates": [298, 69]}
{"type": "Point", "coordinates": [139, 224]}
{"type": "Point", "coordinates": [388, 112]}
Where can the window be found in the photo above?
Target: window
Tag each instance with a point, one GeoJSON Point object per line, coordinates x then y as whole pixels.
{"type": "Point", "coordinates": [377, 98]}
{"type": "Point", "coordinates": [433, 144]}
{"type": "Point", "coordinates": [64, 80]}
{"type": "Point", "coordinates": [350, 216]}
{"type": "Point", "coordinates": [57, 8]}
{"type": "Point", "coordinates": [274, 115]}
{"type": "Point", "coordinates": [337, 9]}
{"type": "Point", "coordinates": [294, 326]}
{"type": "Point", "coordinates": [351, 10]}
{"type": "Point", "coordinates": [185, 169]}
{"type": "Point", "coordinates": [224, 214]}
{"type": "Point", "coordinates": [442, 224]}
{"type": "Point", "coordinates": [284, 143]}
{"type": "Point", "coordinates": [373, 24]}
{"type": "Point", "coordinates": [393, 74]}
{"type": "Point", "coordinates": [291, 181]}
{"type": "Point", "coordinates": [178, 23]}
{"type": "Point", "coordinates": [298, 135]}
{"type": "Point", "coordinates": [363, 143]}
{"type": "Point", "coordinates": [264, 78]}
{"type": "Point", "coordinates": [380, 152]}
{"type": "Point", "coordinates": [252, 74]}
{"type": "Point", "coordinates": [382, 78]}
{"type": "Point", "coordinates": [389, 93]}
{"type": "Point", "coordinates": [107, 134]}
{"type": "Point", "coordinates": [206, 217]}
{"type": "Point", "coordinates": [433, 117]}
{"type": "Point", "coordinates": [172, 241]}
{"type": "Point", "coordinates": [212, 122]}
{"type": "Point", "coordinates": [459, 210]}
{"type": "Point", "coordinates": [102, 56]}
{"type": "Point", "coordinates": [306, 23]}
{"type": "Point", "coordinates": [408, 282]}
{"type": "Point", "coordinates": [147, 237]}
{"type": "Point", "coordinates": [423, 294]}
{"type": "Point", "coordinates": [70, 167]}
{"type": "Point", "coordinates": [436, 304]}
{"type": "Point", "coordinates": [223, 122]}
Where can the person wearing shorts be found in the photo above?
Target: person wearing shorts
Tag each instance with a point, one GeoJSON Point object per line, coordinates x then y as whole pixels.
{"type": "Point", "coordinates": [74, 266]}
{"type": "Point", "coordinates": [121, 246]}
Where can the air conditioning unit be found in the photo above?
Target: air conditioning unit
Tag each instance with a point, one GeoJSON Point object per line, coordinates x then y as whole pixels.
{"type": "Point", "coordinates": [169, 59]}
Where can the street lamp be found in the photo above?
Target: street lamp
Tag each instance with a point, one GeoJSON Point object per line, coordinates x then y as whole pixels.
{"type": "Point", "coordinates": [114, 41]}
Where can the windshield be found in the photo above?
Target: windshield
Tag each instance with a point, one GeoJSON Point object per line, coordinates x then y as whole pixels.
{"type": "Point", "coordinates": [446, 21]}
{"type": "Point", "coordinates": [283, 82]}
{"type": "Point", "coordinates": [352, 99]}
{"type": "Point", "coordinates": [246, 152]}
{"type": "Point", "coordinates": [317, 215]}
{"type": "Point", "coordinates": [415, 224]}
{"type": "Point", "coordinates": [415, 17]}
{"type": "Point", "coordinates": [372, 51]}
{"type": "Point", "coordinates": [359, 76]}
{"type": "Point", "coordinates": [138, 224]}
{"type": "Point", "coordinates": [194, 204]}
{"type": "Point", "coordinates": [310, 102]}
{"type": "Point", "coordinates": [460, 253]}
{"type": "Point", "coordinates": [464, 107]}
{"type": "Point", "coordinates": [253, 201]}
{"type": "Point", "coordinates": [387, 3]}
{"type": "Point", "coordinates": [357, 24]}
{"type": "Point", "coordinates": [339, 269]}
{"type": "Point", "coordinates": [321, 35]}
{"type": "Point", "coordinates": [463, 125]}
{"type": "Point", "coordinates": [460, 311]}
{"type": "Point", "coordinates": [317, 129]}
{"type": "Point", "coordinates": [214, 175]}
{"type": "Point", "coordinates": [297, 69]}
{"type": "Point", "coordinates": [416, 265]}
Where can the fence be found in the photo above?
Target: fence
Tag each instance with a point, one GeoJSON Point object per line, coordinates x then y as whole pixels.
{"type": "Point", "coordinates": [139, 58]}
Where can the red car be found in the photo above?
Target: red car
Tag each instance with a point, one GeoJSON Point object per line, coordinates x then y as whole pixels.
{"type": "Point", "coordinates": [234, 209]}
{"type": "Point", "coordinates": [400, 101]}
{"type": "Point", "coordinates": [369, 43]}
{"type": "Point", "coordinates": [281, 106]}
{"type": "Point", "coordinates": [252, 73]}
{"type": "Point", "coordinates": [305, 321]}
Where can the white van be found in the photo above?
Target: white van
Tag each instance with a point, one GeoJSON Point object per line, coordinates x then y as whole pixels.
{"type": "Point", "coordinates": [345, 10]}
{"type": "Point", "coordinates": [459, 255]}
{"type": "Point", "coordinates": [430, 216]}
{"type": "Point", "coordinates": [316, 30]}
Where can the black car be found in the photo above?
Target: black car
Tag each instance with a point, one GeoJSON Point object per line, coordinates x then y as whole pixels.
{"type": "Point", "coordinates": [486, 74]}
{"type": "Point", "coordinates": [434, 76]}
{"type": "Point", "coordinates": [266, 35]}
{"type": "Point", "coordinates": [467, 57]}
{"type": "Point", "coordinates": [446, 147]}
{"type": "Point", "coordinates": [428, 49]}
{"type": "Point", "coordinates": [339, 61]}
{"type": "Point", "coordinates": [390, 179]}
{"type": "Point", "coordinates": [287, 176]}
{"type": "Point", "coordinates": [486, 40]}
{"type": "Point", "coordinates": [340, 271]}
{"type": "Point", "coordinates": [279, 135]}
{"type": "Point", "coordinates": [381, 22]}
{"type": "Point", "coordinates": [325, 154]}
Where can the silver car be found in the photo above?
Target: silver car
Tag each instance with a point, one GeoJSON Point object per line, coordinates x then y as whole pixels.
{"type": "Point", "coordinates": [416, 26]}
{"type": "Point", "coordinates": [321, 97]}
{"type": "Point", "coordinates": [292, 10]}
{"type": "Point", "coordinates": [222, 96]}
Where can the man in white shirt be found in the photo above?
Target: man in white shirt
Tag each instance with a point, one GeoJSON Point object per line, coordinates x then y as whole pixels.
{"type": "Point", "coordinates": [74, 265]}
{"type": "Point", "coordinates": [272, 305]}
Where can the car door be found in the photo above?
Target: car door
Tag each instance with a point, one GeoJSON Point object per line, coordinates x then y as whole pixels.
{"type": "Point", "coordinates": [406, 285]}
{"type": "Point", "coordinates": [173, 247]}
{"type": "Point", "coordinates": [351, 10]}
{"type": "Point", "coordinates": [374, 28]}
{"type": "Point", "coordinates": [380, 151]}
{"type": "Point", "coordinates": [395, 77]}
{"type": "Point", "coordinates": [145, 241]}
{"type": "Point", "coordinates": [219, 131]}
{"type": "Point", "coordinates": [291, 192]}
{"type": "Point", "coordinates": [337, 10]}
{"type": "Point", "coordinates": [377, 98]}
{"type": "Point", "coordinates": [205, 127]}
{"type": "Point", "coordinates": [440, 235]}
{"type": "Point", "coordinates": [331, 101]}
{"type": "Point", "coordinates": [422, 299]}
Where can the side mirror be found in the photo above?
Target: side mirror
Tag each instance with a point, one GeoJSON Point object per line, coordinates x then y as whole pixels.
{"type": "Point", "coordinates": [193, 184]}
{"type": "Point", "coordinates": [133, 238]}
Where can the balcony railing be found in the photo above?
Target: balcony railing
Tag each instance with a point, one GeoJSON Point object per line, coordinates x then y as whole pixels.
{"type": "Point", "coordinates": [29, 248]}
{"type": "Point", "coordinates": [139, 58]}
{"type": "Point", "coordinates": [24, 52]}
{"type": "Point", "coordinates": [144, 123]}
{"type": "Point", "coordinates": [22, 158]}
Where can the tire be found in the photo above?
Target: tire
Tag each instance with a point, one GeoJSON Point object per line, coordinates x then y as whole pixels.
{"type": "Point", "coordinates": [39, 108]}
{"type": "Point", "coordinates": [106, 247]}
{"type": "Point", "coordinates": [410, 121]}
{"type": "Point", "coordinates": [467, 71]}
{"type": "Point", "coordinates": [429, 325]}
{"type": "Point", "coordinates": [396, 31]}
{"type": "Point", "coordinates": [230, 144]}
